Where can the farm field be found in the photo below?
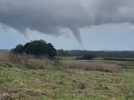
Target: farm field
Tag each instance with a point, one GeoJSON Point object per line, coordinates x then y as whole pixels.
{"type": "Point", "coordinates": [67, 80]}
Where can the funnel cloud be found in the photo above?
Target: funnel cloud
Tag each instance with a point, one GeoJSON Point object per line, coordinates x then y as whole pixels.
{"type": "Point", "coordinates": [50, 16]}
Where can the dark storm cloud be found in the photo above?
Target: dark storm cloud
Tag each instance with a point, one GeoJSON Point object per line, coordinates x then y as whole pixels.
{"type": "Point", "coordinates": [49, 16]}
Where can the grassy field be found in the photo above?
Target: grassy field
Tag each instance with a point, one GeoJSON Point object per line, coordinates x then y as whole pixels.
{"type": "Point", "coordinates": [59, 81]}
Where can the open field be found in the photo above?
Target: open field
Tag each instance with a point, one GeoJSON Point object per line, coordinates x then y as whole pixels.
{"type": "Point", "coordinates": [67, 79]}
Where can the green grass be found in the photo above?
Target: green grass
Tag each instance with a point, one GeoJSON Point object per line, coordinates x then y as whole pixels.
{"type": "Point", "coordinates": [58, 83]}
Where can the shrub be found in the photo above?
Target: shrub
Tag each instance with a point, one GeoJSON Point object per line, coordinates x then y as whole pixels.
{"type": "Point", "coordinates": [86, 57]}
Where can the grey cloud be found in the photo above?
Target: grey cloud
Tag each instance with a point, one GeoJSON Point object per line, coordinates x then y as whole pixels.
{"type": "Point", "coordinates": [49, 16]}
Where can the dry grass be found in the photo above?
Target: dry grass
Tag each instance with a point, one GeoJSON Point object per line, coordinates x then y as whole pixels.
{"type": "Point", "coordinates": [34, 63]}
{"type": "Point", "coordinates": [95, 66]}
{"type": "Point", "coordinates": [74, 81]}
{"type": "Point", "coordinates": [4, 57]}
{"type": "Point", "coordinates": [25, 61]}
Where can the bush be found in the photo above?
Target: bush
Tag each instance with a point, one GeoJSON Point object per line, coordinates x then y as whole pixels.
{"type": "Point", "coordinates": [86, 57]}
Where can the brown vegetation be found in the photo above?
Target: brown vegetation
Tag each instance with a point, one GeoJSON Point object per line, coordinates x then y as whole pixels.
{"type": "Point", "coordinates": [96, 66]}
{"type": "Point", "coordinates": [39, 63]}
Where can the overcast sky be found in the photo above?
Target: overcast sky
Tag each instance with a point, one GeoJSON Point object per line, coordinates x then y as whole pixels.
{"type": "Point", "coordinates": [68, 24]}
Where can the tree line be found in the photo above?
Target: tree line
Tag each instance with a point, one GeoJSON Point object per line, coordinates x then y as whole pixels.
{"type": "Point", "coordinates": [103, 54]}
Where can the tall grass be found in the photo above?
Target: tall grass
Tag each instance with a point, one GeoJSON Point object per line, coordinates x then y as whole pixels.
{"type": "Point", "coordinates": [93, 66]}
{"type": "Point", "coordinates": [27, 61]}
{"type": "Point", "coordinates": [31, 62]}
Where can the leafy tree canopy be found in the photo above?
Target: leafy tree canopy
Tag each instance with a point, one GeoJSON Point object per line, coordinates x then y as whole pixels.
{"type": "Point", "coordinates": [37, 48]}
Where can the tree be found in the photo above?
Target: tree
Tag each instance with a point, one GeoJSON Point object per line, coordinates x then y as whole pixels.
{"type": "Point", "coordinates": [18, 50]}
{"type": "Point", "coordinates": [37, 48]}
{"type": "Point", "coordinates": [51, 50]}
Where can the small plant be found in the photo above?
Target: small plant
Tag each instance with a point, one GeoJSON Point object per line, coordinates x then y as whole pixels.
{"type": "Point", "coordinates": [82, 86]}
